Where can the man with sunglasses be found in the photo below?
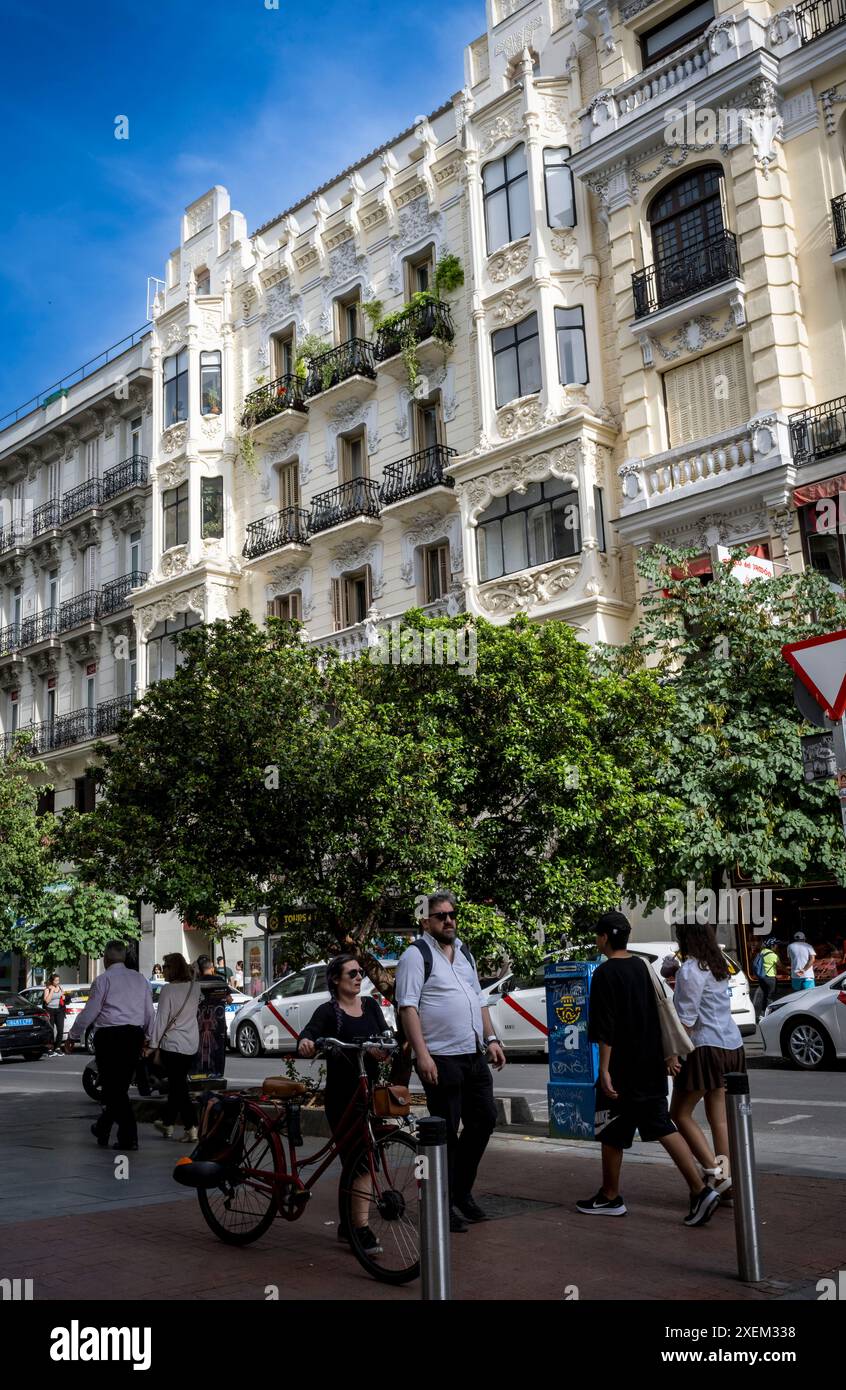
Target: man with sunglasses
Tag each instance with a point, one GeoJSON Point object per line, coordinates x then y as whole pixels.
{"type": "Point", "coordinates": [440, 1002]}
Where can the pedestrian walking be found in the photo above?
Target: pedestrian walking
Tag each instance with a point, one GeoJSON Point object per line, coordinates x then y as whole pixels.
{"type": "Point", "coordinates": [173, 1044]}
{"type": "Point", "coordinates": [225, 970]}
{"type": "Point", "coordinates": [349, 1017]}
{"type": "Point", "coordinates": [631, 1093]}
{"type": "Point", "coordinates": [238, 977]}
{"type": "Point", "coordinates": [440, 1002]}
{"type": "Point", "coordinates": [802, 960]}
{"type": "Point", "coordinates": [121, 1005]}
{"type": "Point", "coordinates": [54, 1003]}
{"type": "Point", "coordinates": [703, 1004]}
{"type": "Point", "coordinates": [765, 970]}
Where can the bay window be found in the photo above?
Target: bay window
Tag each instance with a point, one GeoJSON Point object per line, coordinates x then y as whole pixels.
{"type": "Point", "coordinates": [521, 530]}
{"type": "Point", "coordinates": [572, 346]}
{"type": "Point", "coordinates": [506, 195]}
{"type": "Point", "coordinates": [176, 387]}
{"type": "Point", "coordinates": [516, 356]}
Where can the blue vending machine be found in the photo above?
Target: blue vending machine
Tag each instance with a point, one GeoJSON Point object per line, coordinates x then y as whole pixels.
{"type": "Point", "coordinates": [573, 1061]}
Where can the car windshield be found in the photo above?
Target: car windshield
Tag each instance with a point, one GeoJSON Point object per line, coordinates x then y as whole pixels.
{"type": "Point", "coordinates": [14, 1001]}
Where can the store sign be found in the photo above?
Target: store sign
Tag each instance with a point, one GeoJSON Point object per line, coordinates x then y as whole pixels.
{"type": "Point", "coordinates": [748, 567]}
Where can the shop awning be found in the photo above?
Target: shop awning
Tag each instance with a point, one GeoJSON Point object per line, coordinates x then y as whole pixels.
{"type": "Point", "coordinates": [812, 492]}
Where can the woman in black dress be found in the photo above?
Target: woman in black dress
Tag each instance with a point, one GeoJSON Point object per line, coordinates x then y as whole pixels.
{"type": "Point", "coordinates": [348, 1017]}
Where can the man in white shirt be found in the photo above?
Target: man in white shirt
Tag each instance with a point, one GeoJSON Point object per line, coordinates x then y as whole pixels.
{"type": "Point", "coordinates": [120, 1002]}
{"type": "Point", "coordinates": [801, 962]}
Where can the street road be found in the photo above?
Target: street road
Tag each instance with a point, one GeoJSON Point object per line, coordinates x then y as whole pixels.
{"type": "Point", "coordinates": [799, 1118]}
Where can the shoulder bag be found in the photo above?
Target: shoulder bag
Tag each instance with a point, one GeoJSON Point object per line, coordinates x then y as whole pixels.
{"type": "Point", "coordinates": [675, 1039]}
{"type": "Point", "coordinates": [156, 1055]}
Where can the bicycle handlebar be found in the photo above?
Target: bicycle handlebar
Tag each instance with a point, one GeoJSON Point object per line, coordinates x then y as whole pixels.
{"type": "Point", "coordinates": [383, 1044]}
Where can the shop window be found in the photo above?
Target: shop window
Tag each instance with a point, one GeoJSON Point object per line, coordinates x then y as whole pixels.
{"type": "Point", "coordinates": [707, 396]}
{"type": "Point", "coordinates": [572, 346]}
{"type": "Point", "coordinates": [522, 530]}
{"type": "Point", "coordinates": [558, 181]}
{"type": "Point", "coordinates": [176, 387]}
{"type": "Point", "coordinates": [211, 508]}
{"type": "Point", "coordinates": [675, 31]}
{"type": "Point", "coordinates": [210, 384]}
{"type": "Point", "coordinates": [516, 358]}
{"type": "Point", "coordinates": [506, 196]}
{"type": "Point", "coordinates": [823, 544]}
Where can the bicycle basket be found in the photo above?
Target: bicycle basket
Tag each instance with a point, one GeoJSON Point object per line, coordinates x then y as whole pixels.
{"type": "Point", "coordinates": [391, 1100]}
{"type": "Point", "coordinates": [221, 1133]}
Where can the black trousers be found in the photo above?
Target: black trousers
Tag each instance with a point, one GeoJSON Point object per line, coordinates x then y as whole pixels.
{"type": "Point", "coordinates": [766, 993]}
{"type": "Point", "coordinates": [117, 1051]}
{"type": "Point", "coordinates": [178, 1105]}
{"type": "Point", "coordinates": [57, 1018]}
{"type": "Point", "coordinates": [464, 1095]}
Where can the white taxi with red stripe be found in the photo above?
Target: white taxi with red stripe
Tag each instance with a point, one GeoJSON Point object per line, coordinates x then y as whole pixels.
{"type": "Point", "coordinates": [274, 1020]}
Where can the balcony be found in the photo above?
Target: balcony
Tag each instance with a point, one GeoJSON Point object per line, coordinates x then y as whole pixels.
{"type": "Point", "coordinates": [81, 499]}
{"type": "Point", "coordinates": [426, 326]}
{"type": "Point", "coordinates": [76, 727]}
{"type": "Point", "coordinates": [418, 473]}
{"type": "Point", "coordinates": [10, 639]}
{"type": "Point", "coordinates": [132, 472]}
{"type": "Point", "coordinates": [356, 501]}
{"type": "Point", "coordinates": [817, 17]}
{"type": "Point", "coordinates": [111, 712]}
{"type": "Point", "coordinates": [341, 370]}
{"type": "Point", "coordinates": [818, 432]}
{"type": "Point", "coordinates": [12, 538]}
{"type": "Point", "coordinates": [76, 612]}
{"type": "Point", "coordinates": [47, 517]}
{"type": "Point", "coordinates": [355, 641]}
{"type": "Point", "coordinates": [115, 595]}
{"type": "Point", "coordinates": [42, 627]}
{"type": "Point", "coordinates": [284, 394]}
{"type": "Point", "coordinates": [287, 528]}
{"type": "Point", "coordinates": [679, 278]}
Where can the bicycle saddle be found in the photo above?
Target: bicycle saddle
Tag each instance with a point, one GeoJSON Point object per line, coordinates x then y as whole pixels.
{"type": "Point", "coordinates": [281, 1088]}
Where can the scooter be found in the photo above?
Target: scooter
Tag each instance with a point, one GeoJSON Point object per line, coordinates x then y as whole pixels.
{"type": "Point", "coordinates": [149, 1079]}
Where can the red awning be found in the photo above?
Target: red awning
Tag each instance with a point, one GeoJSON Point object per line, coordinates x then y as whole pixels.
{"type": "Point", "coordinates": [692, 569]}
{"type": "Point", "coordinates": [812, 492]}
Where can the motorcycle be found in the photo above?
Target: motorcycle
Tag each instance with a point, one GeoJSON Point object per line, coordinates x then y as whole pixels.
{"type": "Point", "coordinates": [148, 1080]}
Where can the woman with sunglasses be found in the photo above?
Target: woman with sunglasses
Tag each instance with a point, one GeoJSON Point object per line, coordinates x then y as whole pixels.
{"type": "Point", "coordinates": [350, 1017]}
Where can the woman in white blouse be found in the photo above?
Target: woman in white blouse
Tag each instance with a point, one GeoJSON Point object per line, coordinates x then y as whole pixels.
{"type": "Point", "coordinates": [176, 1034]}
{"type": "Point", "coordinates": [703, 1003]}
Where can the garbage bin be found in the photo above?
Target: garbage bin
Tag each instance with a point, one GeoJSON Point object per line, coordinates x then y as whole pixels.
{"type": "Point", "coordinates": [573, 1061]}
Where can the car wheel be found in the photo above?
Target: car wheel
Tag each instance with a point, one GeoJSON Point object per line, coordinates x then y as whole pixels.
{"type": "Point", "coordinates": [807, 1045]}
{"type": "Point", "coordinates": [248, 1041]}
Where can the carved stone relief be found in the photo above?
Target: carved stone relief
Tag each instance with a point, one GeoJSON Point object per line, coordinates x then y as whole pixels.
{"type": "Point", "coordinates": [427, 528]}
{"type": "Point", "coordinates": [511, 261]}
{"type": "Point", "coordinates": [354, 555]}
{"type": "Point", "coordinates": [285, 579]}
{"type": "Point", "coordinates": [520, 592]}
{"type": "Point", "coordinates": [165, 609]}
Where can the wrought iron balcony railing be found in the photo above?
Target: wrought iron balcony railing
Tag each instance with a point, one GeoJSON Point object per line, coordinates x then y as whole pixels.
{"type": "Point", "coordinates": [75, 727]}
{"type": "Point", "coordinates": [132, 472]}
{"type": "Point", "coordinates": [80, 499]}
{"type": "Point", "coordinates": [357, 498]}
{"type": "Point", "coordinates": [39, 627]}
{"type": "Point", "coordinates": [668, 281]}
{"type": "Point", "coordinates": [111, 712]}
{"type": "Point", "coordinates": [115, 594]}
{"type": "Point", "coordinates": [819, 431]}
{"type": "Point", "coordinates": [10, 639]}
{"type": "Point", "coordinates": [12, 536]}
{"type": "Point", "coordinates": [288, 527]}
{"type": "Point", "coordinates": [47, 517]}
{"type": "Point", "coordinates": [286, 393]}
{"type": "Point", "coordinates": [353, 358]}
{"type": "Point", "coordinates": [838, 220]}
{"type": "Point", "coordinates": [817, 17]}
{"type": "Point", "coordinates": [429, 319]}
{"type": "Point", "coordinates": [85, 608]}
{"type": "Point", "coordinates": [416, 474]}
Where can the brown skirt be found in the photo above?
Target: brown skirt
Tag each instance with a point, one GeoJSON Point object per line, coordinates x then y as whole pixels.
{"type": "Point", "coordinates": [704, 1069]}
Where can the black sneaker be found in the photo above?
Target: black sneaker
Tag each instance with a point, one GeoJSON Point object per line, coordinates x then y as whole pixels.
{"type": "Point", "coordinates": [470, 1209]}
{"type": "Point", "coordinates": [368, 1241]}
{"type": "Point", "coordinates": [600, 1205]}
{"type": "Point", "coordinates": [343, 1233]}
{"type": "Point", "coordinates": [702, 1207]}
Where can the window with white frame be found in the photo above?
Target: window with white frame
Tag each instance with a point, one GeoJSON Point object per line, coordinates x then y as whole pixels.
{"type": "Point", "coordinates": [211, 508]}
{"type": "Point", "coordinates": [14, 710]}
{"type": "Point", "coordinates": [175, 372]}
{"type": "Point", "coordinates": [288, 607]}
{"type": "Point", "coordinates": [175, 516]}
{"type": "Point", "coordinates": [525, 529]}
{"type": "Point", "coordinates": [162, 655]}
{"type": "Point", "coordinates": [89, 569]}
{"type": "Point", "coordinates": [516, 359]}
{"type": "Point", "coordinates": [572, 346]}
{"type": "Point", "coordinates": [135, 435]}
{"type": "Point", "coordinates": [284, 354]}
{"type": "Point", "coordinates": [135, 552]}
{"type": "Point", "coordinates": [505, 184]}
{"type": "Point", "coordinates": [210, 384]}
{"type": "Point", "coordinates": [54, 480]}
{"type": "Point", "coordinates": [558, 182]}
{"type": "Point", "coordinates": [92, 460]}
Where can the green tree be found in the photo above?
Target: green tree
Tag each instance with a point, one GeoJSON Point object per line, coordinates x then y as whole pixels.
{"type": "Point", "coordinates": [76, 919]}
{"type": "Point", "coordinates": [25, 861]}
{"type": "Point", "coordinates": [266, 772]}
{"type": "Point", "coordinates": [735, 759]}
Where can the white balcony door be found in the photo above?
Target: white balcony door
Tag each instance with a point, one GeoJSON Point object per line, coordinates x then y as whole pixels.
{"type": "Point", "coordinates": [53, 589]}
{"type": "Point", "coordinates": [17, 504]}
{"type": "Point", "coordinates": [89, 569]}
{"type": "Point", "coordinates": [135, 437]}
{"type": "Point", "coordinates": [54, 480]}
{"type": "Point", "coordinates": [92, 460]}
{"type": "Point", "coordinates": [135, 552]}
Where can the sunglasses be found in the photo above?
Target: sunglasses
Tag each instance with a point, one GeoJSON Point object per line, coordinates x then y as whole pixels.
{"type": "Point", "coordinates": [354, 974]}
{"type": "Point", "coordinates": [443, 916]}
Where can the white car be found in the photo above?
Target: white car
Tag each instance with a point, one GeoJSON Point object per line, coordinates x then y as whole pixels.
{"type": "Point", "coordinates": [518, 1007]}
{"type": "Point", "coordinates": [75, 997]}
{"type": "Point", "coordinates": [273, 1021]}
{"type": "Point", "coordinates": [807, 1027]}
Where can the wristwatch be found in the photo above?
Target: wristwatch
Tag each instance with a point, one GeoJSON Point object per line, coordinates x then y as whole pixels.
{"type": "Point", "coordinates": [492, 1039]}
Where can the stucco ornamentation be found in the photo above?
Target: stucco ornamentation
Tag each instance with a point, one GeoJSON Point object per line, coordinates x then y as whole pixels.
{"type": "Point", "coordinates": [172, 474]}
{"type": "Point", "coordinates": [353, 555]}
{"type": "Point", "coordinates": [520, 592]}
{"type": "Point", "coordinates": [285, 579]}
{"type": "Point", "coordinates": [512, 306]}
{"type": "Point", "coordinates": [427, 528]}
{"type": "Point", "coordinates": [165, 609]}
{"type": "Point", "coordinates": [509, 262]}
{"type": "Point", "coordinates": [515, 476]}
{"type": "Point", "coordinates": [521, 417]}
{"type": "Point", "coordinates": [174, 439]}
{"type": "Point", "coordinates": [175, 562]}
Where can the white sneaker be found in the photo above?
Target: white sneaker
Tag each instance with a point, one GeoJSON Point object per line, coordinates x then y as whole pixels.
{"type": "Point", "coordinates": [166, 1131]}
{"type": "Point", "coordinates": [715, 1178]}
{"type": "Point", "coordinates": [189, 1137]}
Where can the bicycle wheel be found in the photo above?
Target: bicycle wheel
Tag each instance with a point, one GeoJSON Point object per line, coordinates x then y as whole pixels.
{"type": "Point", "coordinates": [390, 1196]}
{"type": "Point", "coordinates": [244, 1207]}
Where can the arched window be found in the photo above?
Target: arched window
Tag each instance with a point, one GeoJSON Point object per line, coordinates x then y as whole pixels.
{"type": "Point", "coordinates": [691, 247]}
{"type": "Point", "coordinates": [506, 192]}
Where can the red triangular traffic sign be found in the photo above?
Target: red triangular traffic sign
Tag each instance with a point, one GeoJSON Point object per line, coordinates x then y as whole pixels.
{"type": "Point", "coordinates": [820, 664]}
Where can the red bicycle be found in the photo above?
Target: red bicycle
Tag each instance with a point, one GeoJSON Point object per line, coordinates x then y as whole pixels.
{"type": "Point", "coordinates": [247, 1171]}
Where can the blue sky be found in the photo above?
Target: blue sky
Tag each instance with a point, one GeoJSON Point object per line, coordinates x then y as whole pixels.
{"type": "Point", "coordinates": [269, 103]}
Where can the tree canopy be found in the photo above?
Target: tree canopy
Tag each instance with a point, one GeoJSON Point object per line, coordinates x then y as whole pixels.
{"type": "Point", "coordinates": [25, 860]}
{"type": "Point", "coordinates": [268, 773]}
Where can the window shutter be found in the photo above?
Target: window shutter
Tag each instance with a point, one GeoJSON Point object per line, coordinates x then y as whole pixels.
{"type": "Point", "coordinates": [443, 569]}
{"type": "Point", "coordinates": [707, 396]}
{"type": "Point", "coordinates": [368, 587]}
{"type": "Point", "coordinates": [337, 605]}
{"type": "Point", "coordinates": [294, 606]}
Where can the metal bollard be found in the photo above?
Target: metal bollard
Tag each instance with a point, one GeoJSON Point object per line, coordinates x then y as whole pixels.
{"type": "Point", "coordinates": [434, 1210]}
{"type": "Point", "coordinates": [742, 1159]}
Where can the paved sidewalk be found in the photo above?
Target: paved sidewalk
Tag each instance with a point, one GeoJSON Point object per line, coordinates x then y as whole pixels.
{"type": "Point", "coordinates": [144, 1238]}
